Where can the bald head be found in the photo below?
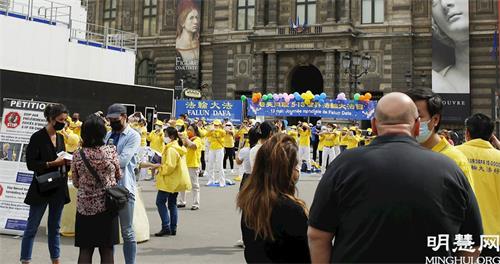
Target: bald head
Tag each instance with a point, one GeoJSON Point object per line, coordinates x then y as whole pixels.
{"type": "Point", "coordinates": [395, 113]}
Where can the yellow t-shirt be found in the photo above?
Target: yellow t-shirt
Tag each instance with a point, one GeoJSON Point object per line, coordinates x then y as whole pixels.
{"type": "Point", "coordinates": [294, 134]}
{"type": "Point", "coordinates": [305, 138]}
{"type": "Point", "coordinates": [336, 137]}
{"type": "Point", "coordinates": [456, 155]}
{"type": "Point", "coordinates": [193, 156]}
{"type": "Point", "coordinates": [216, 138]}
{"type": "Point", "coordinates": [485, 166]}
{"type": "Point", "coordinates": [143, 131]}
{"type": "Point", "coordinates": [321, 142]}
{"type": "Point", "coordinates": [329, 140]}
{"type": "Point", "coordinates": [76, 127]}
{"type": "Point", "coordinates": [242, 132]}
{"type": "Point", "coordinates": [229, 139]}
{"type": "Point", "coordinates": [156, 140]}
{"type": "Point", "coordinates": [71, 141]}
{"type": "Point", "coordinates": [352, 142]}
{"type": "Point", "coordinates": [368, 140]}
{"type": "Point", "coordinates": [203, 134]}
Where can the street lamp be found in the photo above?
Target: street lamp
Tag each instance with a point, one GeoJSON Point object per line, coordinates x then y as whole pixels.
{"type": "Point", "coordinates": [355, 66]}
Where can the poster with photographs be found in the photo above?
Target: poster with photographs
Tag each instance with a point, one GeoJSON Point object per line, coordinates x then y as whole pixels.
{"type": "Point", "coordinates": [187, 45]}
{"type": "Point", "coordinates": [20, 119]}
{"type": "Point", "coordinates": [450, 57]}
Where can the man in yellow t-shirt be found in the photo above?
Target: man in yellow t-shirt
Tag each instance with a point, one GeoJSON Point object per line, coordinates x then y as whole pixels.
{"type": "Point", "coordinates": [328, 146]}
{"type": "Point", "coordinates": [485, 165]}
{"type": "Point", "coordinates": [156, 137]}
{"type": "Point", "coordinates": [305, 145]}
{"type": "Point", "coordinates": [229, 152]}
{"type": "Point", "coordinates": [216, 156]}
{"type": "Point", "coordinates": [430, 106]}
{"type": "Point", "coordinates": [344, 139]}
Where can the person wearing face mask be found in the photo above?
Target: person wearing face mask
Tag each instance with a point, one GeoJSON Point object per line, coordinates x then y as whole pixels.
{"type": "Point", "coordinates": [41, 158]}
{"type": "Point", "coordinates": [430, 106]}
{"type": "Point", "coordinates": [391, 192]}
{"type": "Point", "coordinates": [328, 151]}
{"type": "Point", "coordinates": [193, 144]}
{"type": "Point", "coordinates": [156, 137]}
{"type": "Point", "coordinates": [369, 136]}
{"type": "Point", "coordinates": [75, 124]}
{"type": "Point", "coordinates": [127, 142]}
{"type": "Point", "coordinates": [352, 138]}
{"type": "Point", "coordinates": [172, 178]}
{"type": "Point", "coordinates": [344, 139]}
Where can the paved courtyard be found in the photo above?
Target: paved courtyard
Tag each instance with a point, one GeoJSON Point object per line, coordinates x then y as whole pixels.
{"type": "Point", "coordinates": [204, 236]}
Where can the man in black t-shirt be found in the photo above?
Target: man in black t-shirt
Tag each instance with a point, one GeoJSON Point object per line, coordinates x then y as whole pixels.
{"type": "Point", "coordinates": [384, 202]}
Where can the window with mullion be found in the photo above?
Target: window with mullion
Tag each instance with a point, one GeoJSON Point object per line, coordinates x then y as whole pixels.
{"type": "Point", "coordinates": [372, 11]}
{"type": "Point", "coordinates": [306, 11]}
{"type": "Point", "coordinates": [246, 14]}
{"type": "Point", "coordinates": [109, 13]}
{"type": "Point", "coordinates": [149, 14]}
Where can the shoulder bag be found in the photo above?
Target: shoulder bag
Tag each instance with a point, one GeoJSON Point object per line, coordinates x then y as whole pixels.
{"type": "Point", "coordinates": [116, 197]}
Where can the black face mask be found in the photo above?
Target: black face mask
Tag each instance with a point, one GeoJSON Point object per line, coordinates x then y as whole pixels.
{"type": "Point", "coordinates": [116, 125]}
{"type": "Point", "coordinates": [58, 126]}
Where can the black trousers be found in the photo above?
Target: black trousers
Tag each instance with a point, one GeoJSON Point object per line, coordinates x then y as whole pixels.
{"type": "Point", "coordinates": [203, 164]}
{"type": "Point", "coordinates": [228, 154]}
{"type": "Point", "coordinates": [315, 149]}
{"type": "Point", "coordinates": [320, 158]}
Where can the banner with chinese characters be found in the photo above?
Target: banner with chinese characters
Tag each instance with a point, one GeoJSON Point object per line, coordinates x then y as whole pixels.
{"type": "Point", "coordinates": [210, 109]}
{"type": "Point", "coordinates": [20, 119]}
{"type": "Point", "coordinates": [187, 46]}
{"type": "Point", "coordinates": [337, 109]}
{"type": "Point", "coordinates": [450, 58]}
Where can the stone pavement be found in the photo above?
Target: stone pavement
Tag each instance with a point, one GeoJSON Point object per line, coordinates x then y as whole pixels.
{"type": "Point", "coordinates": [204, 236]}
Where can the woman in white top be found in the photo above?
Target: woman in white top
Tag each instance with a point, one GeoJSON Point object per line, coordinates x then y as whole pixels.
{"type": "Point", "coordinates": [450, 27]}
{"type": "Point", "coordinates": [243, 156]}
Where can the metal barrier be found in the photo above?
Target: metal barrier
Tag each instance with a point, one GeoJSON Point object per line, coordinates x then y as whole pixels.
{"type": "Point", "coordinates": [53, 13]}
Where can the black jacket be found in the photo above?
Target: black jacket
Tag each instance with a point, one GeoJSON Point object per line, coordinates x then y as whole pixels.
{"type": "Point", "coordinates": [40, 150]}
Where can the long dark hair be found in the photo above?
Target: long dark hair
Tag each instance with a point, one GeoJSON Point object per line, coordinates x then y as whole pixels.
{"type": "Point", "coordinates": [273, 177]}
{"type": "Point", "coordinates": [253, 137]}
{"type": "Point", "coordinates": [93, 132]}
{"type": "Point", "coordinates": [195, 129]}
{"type": "Point", "coordinates": [53, 111]}
{"type": "Point", "coordinates": [172, 132]}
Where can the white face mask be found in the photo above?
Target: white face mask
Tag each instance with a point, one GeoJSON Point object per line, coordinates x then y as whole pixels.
{"type": "Point", "coordinates": [425, 133]}
{"type": "Point", "coordinates": [167, 140]}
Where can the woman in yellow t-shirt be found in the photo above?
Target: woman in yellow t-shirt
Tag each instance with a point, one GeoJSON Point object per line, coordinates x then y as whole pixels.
{"type": "Point", "coordinates": [215, 159]}
{"type": "Point", "coordinates": [156, 137]}
{"type": "Point", "coordinates": [193, 144]}
{"type": "Point", "coordinates": [229, 146]}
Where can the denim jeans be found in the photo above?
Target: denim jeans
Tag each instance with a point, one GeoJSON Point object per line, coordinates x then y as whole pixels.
{"type": "Point", "coordinates": [126, 215]}
{"type": "Point", "coordinates": [53, 223]}
{"type": "Point", "coordinates": [167, 223]}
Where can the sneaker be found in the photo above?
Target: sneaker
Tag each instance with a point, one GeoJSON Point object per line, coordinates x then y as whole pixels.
{"type": "Point", "coordinates": [163, 232]}
{"type": "Point", "coordinates": [173, 232]}
{"type": "Point", "coordinates": [181, 205]}
{"type": "Point", "coordinates": [222, 184]}
{"type": "Point", "coordinates": [209, 183]}
{"type": "Point", "coordinates": [195, 207]}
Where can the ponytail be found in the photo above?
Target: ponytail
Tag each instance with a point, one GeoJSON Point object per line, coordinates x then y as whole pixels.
{"type": "Point", "coordinates": [172, 132]}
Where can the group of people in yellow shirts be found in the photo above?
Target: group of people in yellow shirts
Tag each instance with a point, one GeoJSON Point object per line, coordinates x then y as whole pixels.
{"type": "Point", "coordinates": [332, 141]}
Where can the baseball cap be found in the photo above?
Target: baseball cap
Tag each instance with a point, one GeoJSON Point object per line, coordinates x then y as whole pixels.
{"type": "Point", "coordinates": [115, 110]}
{"type": "Point", "coordinates": [217, 122]}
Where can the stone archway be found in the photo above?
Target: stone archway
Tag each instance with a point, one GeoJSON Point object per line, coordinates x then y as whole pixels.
{"type": "Point", "coordinates": [303, 78]}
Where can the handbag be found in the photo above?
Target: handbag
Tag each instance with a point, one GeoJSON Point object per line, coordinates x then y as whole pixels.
{"type": "Point", "coordinates": [116, 197]}
{"type": "Point", "coordinates": [49, 181]}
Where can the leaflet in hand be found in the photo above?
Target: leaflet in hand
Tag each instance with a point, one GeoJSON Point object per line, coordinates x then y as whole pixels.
{"type": "Point", "coordinates": [65, 155]}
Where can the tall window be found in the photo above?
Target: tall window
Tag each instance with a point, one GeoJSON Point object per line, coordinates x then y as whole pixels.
{"type": "Point", "coordinates": [306, 11]}
{"type": "Point", "coordinates": [246, 14]}
{"type": "Point", "coordinates": [110, 13]}
{"type": "Point", "coordinates": [149, 17]}
{"type": "Point", "coordinates": [146, 73]}
{"type": "Point", "coordinates": [372, 11]}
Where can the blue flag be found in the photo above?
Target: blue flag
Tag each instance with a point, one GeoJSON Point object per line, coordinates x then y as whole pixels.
{"type": "Point", "coordinates": [494, 50]}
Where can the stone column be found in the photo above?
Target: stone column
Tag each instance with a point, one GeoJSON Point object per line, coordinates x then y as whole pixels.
{"type": "Point", "coordinates": [344, 7]}
{"type": "Point", "coordinates": [329, 73]}
{"type": "Point", "coordinates": [271, 79]}
{"type": "Point", "coordinates": [259, 12]}
{"type": "Point", "coordinates": [273, 12]}
{"type": "Point", "coordinates": [258, 71]}
{"type": "Point", "coordinates": [331, 10]}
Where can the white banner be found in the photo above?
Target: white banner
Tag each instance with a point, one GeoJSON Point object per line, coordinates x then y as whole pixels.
{"type": "Point", "coordinates": [20, 120]}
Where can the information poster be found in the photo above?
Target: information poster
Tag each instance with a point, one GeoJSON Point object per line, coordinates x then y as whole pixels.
{"type": "Point", "coordinates": [20, 119]}
{"type": "Point", "coordinates": [450, 58]}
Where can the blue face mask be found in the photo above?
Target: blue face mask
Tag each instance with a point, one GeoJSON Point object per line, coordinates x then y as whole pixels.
{"type": "Point", "coordinates": [425, 133]}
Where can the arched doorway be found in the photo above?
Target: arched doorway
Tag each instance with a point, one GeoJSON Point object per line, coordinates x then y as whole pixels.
{"type": "Point", "coordinates": [301, 79]}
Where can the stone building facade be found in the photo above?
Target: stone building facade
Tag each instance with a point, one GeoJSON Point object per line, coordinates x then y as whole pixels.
{"type": "Point", "coordinates": [238, 57]}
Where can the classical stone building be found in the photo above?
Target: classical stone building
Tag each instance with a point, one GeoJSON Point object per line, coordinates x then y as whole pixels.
{"type": "Point", "coordinates": [248, 45]}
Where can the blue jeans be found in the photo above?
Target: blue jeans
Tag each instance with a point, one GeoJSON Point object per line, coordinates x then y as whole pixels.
{"type": "Point", "coordinates": [126, 215]}
{"type": "Point", "coordinates": [167, 223]}
{"type": "Point", "coordinates": [53, 223]}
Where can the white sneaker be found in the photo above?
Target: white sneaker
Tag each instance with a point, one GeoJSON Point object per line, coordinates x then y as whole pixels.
{"type": "Point", "coordinates": [240, 244]}
{"type": "Point", "coordinates": [222, 184]}
{"type": "Point", "coordinates": [209, 183]}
